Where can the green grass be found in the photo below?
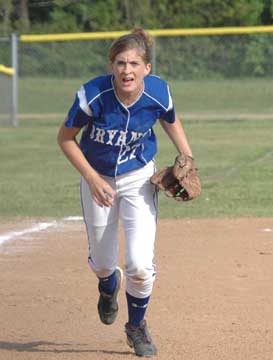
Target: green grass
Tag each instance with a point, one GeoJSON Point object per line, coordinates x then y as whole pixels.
{"type": "Point", "coordinates": [49, 96]}
{"type": "Point", "coordinates": [223, 96]}
{"type": "Point", "coordinates": [235, 161]}
{"type": "Point", "coordinates": [46, 95]}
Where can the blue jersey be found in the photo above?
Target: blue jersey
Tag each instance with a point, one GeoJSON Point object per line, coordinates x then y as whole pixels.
{"type": "Point", "coordinates": [115, 138]}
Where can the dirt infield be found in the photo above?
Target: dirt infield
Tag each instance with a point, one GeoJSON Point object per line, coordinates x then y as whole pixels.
{"type": "Point", "coordinates": [212, 299]}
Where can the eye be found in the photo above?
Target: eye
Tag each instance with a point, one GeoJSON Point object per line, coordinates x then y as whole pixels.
{"type": "Point", "coordinates": [121, 63]}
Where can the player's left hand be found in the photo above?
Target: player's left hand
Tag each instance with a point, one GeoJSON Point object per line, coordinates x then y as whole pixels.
{"type": "Point", "coordinates": [180, 181]}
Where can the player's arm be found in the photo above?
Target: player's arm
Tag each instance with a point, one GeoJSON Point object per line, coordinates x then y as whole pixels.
{"type": "Point", "coordinates": [101, 191]}
{"type": "Point", "coordinates": [177, 135]}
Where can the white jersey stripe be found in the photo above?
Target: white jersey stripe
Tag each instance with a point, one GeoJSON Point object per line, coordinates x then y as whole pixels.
{"type": "Point", "coordinates": [170, 100]}
{"type": "Point", "coordinates": [94, 98]}
{"type": "Point", "coordinates": [83, 102]}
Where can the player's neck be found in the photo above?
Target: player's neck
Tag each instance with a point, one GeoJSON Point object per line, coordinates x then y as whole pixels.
{"type": "Point", "coordinates": [128, 99]}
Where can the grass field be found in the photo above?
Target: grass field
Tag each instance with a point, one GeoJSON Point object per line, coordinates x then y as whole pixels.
{"type": "Point", "coordinates": [250, 96]}
{"type": "Point", "coordinates": [235, 158]}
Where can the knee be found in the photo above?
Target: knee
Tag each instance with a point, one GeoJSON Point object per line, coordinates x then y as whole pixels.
{"type": "Point", "coordinates": [100, 271]}
{"type": "Point", "coordinates": [140, 280]}
{"type": "Point", "coordinates": [139, 274]}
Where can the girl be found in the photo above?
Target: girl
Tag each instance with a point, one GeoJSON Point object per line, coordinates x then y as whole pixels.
{"type": "Point", "coordinates": [116, 113]}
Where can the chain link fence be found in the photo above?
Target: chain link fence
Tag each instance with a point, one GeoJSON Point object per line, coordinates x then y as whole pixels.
{"type": "Point", "coordinates": [5, 82]}
{"type": "Point", "coordinates": [5, 51]}
{"type": "Point", "coordinates": [6, 99]}
{"type": "Point", "coordinates": [211, 76]}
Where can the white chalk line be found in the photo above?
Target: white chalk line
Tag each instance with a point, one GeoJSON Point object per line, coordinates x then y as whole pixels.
{"type": "Point", "coordinates": [41, 226]}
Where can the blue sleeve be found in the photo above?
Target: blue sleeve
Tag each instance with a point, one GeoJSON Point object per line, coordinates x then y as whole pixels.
{"type": "Point", "coordinates": [158, 90]}
{"type": "Point", "coordinates": [169, 116]}
{"type": "Point", "coordinates": [76, 116]}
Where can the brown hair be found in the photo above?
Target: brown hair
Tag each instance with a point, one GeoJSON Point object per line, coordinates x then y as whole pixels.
{"type": "Point", "coordinates": [137, 39]}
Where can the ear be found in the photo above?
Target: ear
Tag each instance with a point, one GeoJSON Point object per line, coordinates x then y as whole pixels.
{"type": "Point", "coordinates": [148, 68]}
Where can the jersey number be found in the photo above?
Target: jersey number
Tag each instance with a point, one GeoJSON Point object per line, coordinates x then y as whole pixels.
{"type": "Point", "coordinates": [128, 153]}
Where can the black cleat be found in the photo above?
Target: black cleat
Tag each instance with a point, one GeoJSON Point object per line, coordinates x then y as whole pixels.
{"type": "Point", "coordinates": [108, 304]}
{"type": "Point", "coordinates": [139, 338]}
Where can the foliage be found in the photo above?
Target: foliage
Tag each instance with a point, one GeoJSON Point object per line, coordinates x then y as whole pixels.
{"type": "Point", "coordinates": [208, 13]}
{"type": "Point", "coordinates": [266, 16]}
{"type": "Point", "coordinates": [198, 57]}
{"type": "Point", "coordinates": [37, 16]}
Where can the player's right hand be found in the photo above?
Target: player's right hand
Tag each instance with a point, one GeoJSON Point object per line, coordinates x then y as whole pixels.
{"type": "Point", "coordinates": [101, 191]}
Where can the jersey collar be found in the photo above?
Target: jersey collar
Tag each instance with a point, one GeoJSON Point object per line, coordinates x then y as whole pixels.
{"type": "Point", "coordinates": [118, 99]}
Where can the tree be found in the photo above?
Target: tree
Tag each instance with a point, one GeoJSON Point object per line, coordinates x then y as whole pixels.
{"type": "Point", "coordinates": [267, 14]}
{"type": "Point", "coordinates": [209, 13]}
{"type": "Point", "coordinates": [5, 13]}
{"type": "Point", "coordinates": [20, 15]}
{"type": "Point", "coordinates": [139, 12]}
{"type": "Point", "coordinates": [45, 16]}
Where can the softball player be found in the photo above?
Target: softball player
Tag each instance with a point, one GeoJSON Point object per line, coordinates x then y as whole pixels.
{"type": "Point", "coordinates": [116, 113]}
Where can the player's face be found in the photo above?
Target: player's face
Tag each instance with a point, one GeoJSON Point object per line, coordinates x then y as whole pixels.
{"type": "Point", "coordinates": [129, 70]}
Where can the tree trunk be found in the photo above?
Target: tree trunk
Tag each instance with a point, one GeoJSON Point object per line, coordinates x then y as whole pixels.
{"type": "Point", "coordinates": [24, 15]}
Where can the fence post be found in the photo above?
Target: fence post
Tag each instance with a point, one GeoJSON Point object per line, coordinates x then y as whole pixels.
{"type": "Point", "coordinates": [14, 59]}
{"type": "Point", "coordinates": [154, 57]}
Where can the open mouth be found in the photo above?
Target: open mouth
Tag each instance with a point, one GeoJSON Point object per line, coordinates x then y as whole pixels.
{"type": "Point", "coordinates": [127, 80]}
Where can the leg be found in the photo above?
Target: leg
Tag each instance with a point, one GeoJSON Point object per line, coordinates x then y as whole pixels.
{"type": "Point", "coordinates": [138, 210]}
{"type": "Point", "coordinates": [102, 226]}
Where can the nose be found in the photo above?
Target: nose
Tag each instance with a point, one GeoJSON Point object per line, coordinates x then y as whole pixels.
{"type": "Point", "coordinates": [126, 67]}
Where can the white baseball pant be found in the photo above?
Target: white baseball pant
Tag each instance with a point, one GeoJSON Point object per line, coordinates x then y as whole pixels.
{"type": "Point", "coordinates": [136, 206]}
